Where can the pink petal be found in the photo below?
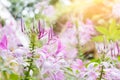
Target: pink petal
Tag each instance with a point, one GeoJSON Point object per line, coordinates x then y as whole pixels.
{"type": "Point", "coordinates": [3, 43]}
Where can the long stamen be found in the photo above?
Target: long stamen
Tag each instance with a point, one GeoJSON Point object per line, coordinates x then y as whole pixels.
{"type": "Point", "coordinates": [111, 52]}
{"type": "Point", "coordinates": [22, 27]}
{"type": "Point", "coordinates": [39, 30]}
{"type": "Point", "coordinates": [39, 26]}
{"type": "Point", "coordinates": [50, 33]}
{"type": "Point", "coordinates": [118, 49]}
{"type": "Point", "coordinates": [42, 31]}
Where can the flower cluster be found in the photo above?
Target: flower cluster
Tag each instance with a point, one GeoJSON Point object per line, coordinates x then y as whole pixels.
{"type": "Point", "coordinates": [35, 52]}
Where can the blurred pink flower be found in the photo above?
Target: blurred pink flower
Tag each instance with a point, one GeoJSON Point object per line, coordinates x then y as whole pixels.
{"type": "Point", "coordinates": [12, 39]}
{"type": "Point", "coordinates": [59, 75]}
{"type": "Point", "coordinates": [51, 60]}
{"type": "Point", "coordinates": [78, 65]}
{"type": "Point", "coordinates": [116, 10]}
{"type": "Point", "coordinates": [49, 11]}
{"type": "Point", "coordinates": [3, 42]}
{"type": "Point", "coordinates": [111, 49]}
{"type": "Point", "coordinates": [92, 76]}
{"type": "Point", "coordinates": [112, 74]}
{"type": "Point", "coordinates": [69, 24]}
{"type": "Point", "coordinates": [86, 31]}
{"type": "Point", "coordinates": [19, 54]}
{"type": "Point", "coordinates": [69, 41]}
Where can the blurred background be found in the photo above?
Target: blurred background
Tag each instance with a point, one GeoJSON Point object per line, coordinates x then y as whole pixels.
{"type": "Point", "coordinates": [58, 13]}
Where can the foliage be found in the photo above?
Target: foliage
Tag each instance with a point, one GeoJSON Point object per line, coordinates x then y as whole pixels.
{"type": "Point", "coordinates": [111, 33]}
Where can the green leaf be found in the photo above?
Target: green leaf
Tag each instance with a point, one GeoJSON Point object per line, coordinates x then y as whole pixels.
{"type": "Point", "coordinates": [118, 58]}
{"type": "Point", "coordinates": [97, 61]}
{"type": "Point", "coordinates": [69, 69]}
{"type": "Point", "coordinates": [98, 38]}
{"type": "Point", "coordinates": [110, 33]}
{"type": "Point", "coordinates": [14, 77]}
{"type": "Point", "coordinates": [112, 26]}
{"type": "Point", "coordinates": [102, 30]}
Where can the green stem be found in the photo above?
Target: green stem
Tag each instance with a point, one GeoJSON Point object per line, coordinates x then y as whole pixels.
{"type": "Point", "coordinates": [102, 67]}
{"type": "Point", "coordinates": [78, 42]}
{"type": "Point", "coordinates": [32, 45]}
{"type": "Point", "coordinates": [5, 75]}
{"type": "Point", "coordinates": [29, 68]}
{"type": "Point", "coordinates": [101, 72]}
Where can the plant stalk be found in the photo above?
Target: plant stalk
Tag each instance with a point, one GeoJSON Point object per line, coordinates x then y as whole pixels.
{"type": "Point", "coordinates": [32, 46]}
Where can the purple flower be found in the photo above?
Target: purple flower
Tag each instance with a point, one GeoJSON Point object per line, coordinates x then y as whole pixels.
{"type": "Point", "coordinates": [86, 31]}
{"type": "Point", "coordinates": [78, 65]}
{"type": "Point", "coordinates": [3, 42]}
{"type": "Point", "coordinates": [69, 24]}
{"type": "Point", "coordinates": [59, 75]}
{"type": "Point", "coordinates": [92, 75]}
{"type": "Point", "coordinates": [112, 74]}
{"type": "Point", "coordinates": [112, 49]}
